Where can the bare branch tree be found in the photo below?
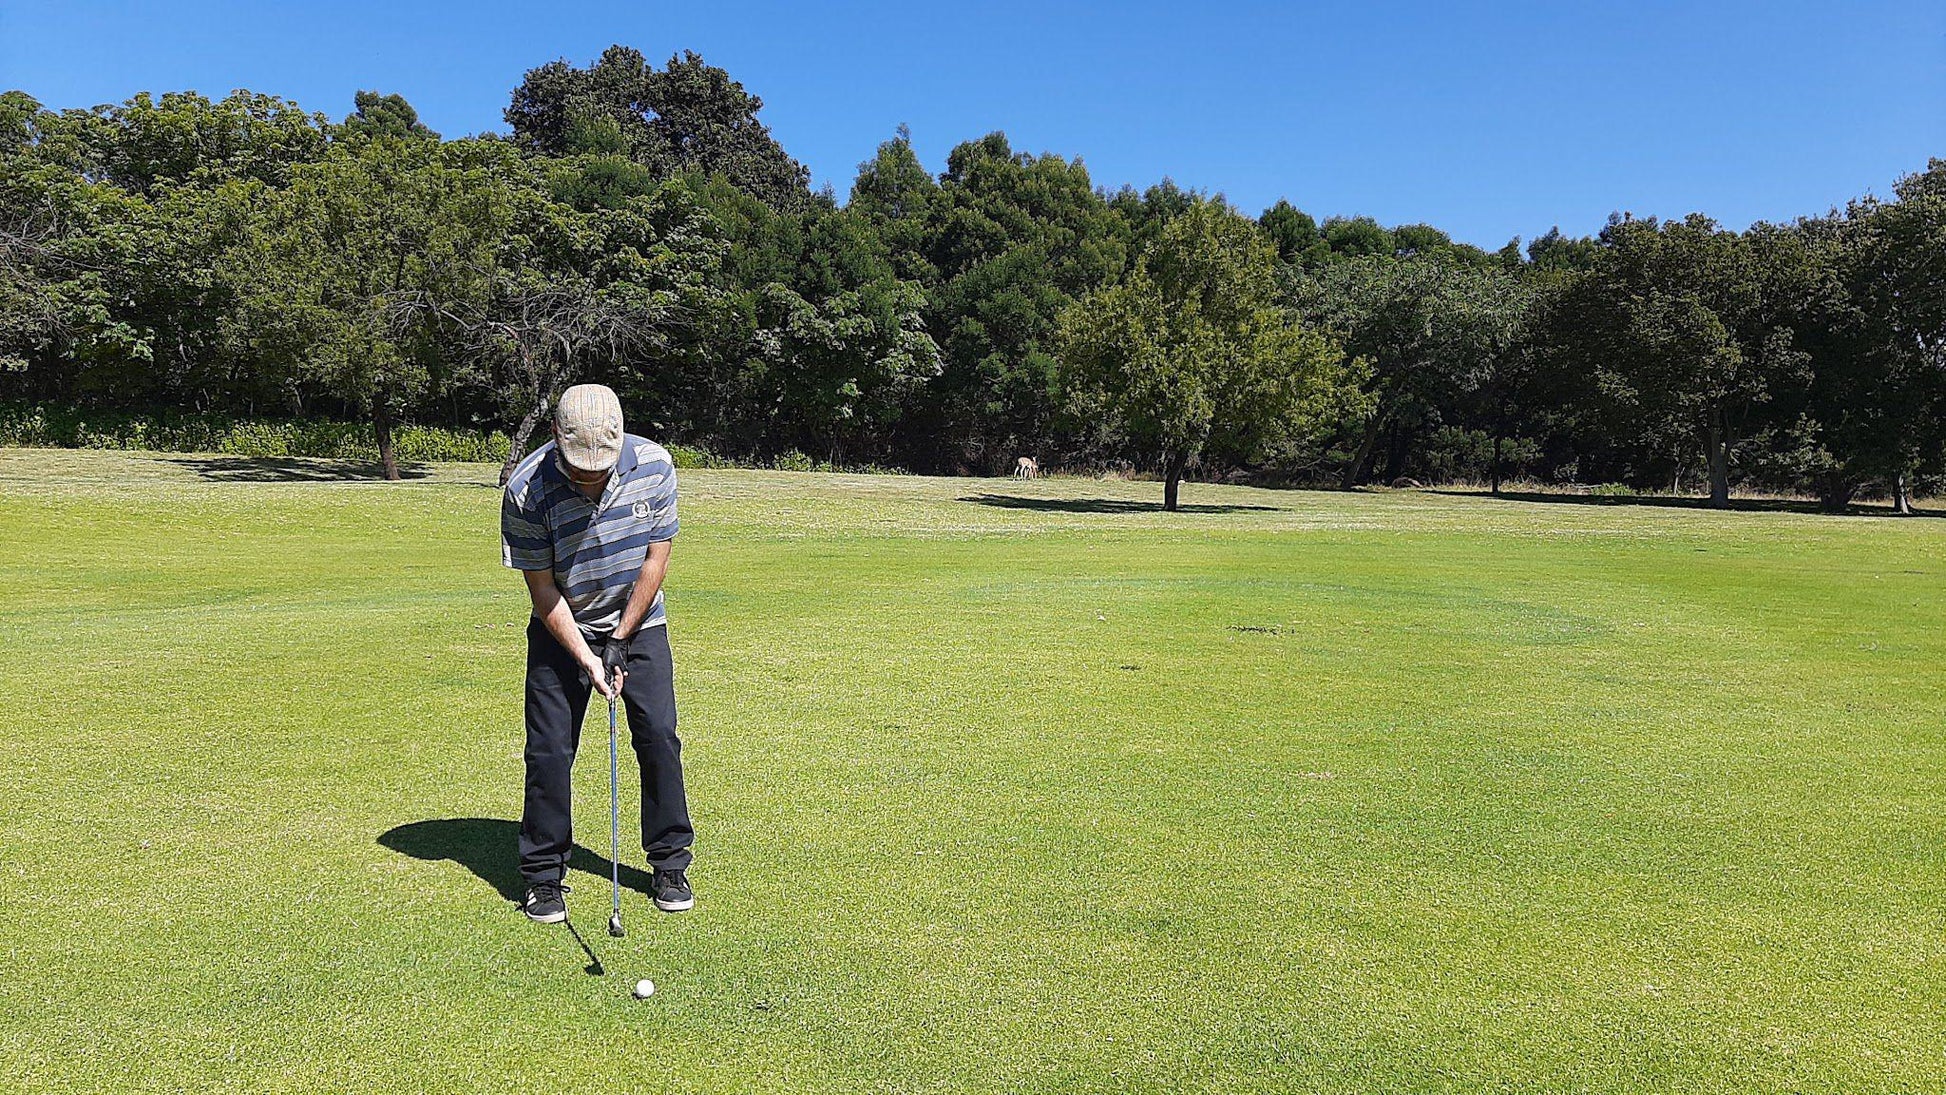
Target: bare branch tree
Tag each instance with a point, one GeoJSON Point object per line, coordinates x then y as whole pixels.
{"type": "Point", "coordinates": [545, 330]}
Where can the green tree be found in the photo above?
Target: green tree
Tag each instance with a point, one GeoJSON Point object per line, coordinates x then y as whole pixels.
{"type": "Point", "coordinates": [686, 116]}
{"type": "Point", "coordinates": [148, 144]}
{"type": "Point", "coordinates": [1554, 252]}
{"type": "Point", "coordinates": [340, 264]}
{"type": "Point", "coordinates": [901, 200]}
{"type": "Point", "coordinates": [1191, 354]}
{"type": "Point", "coordinates": [68, 244]}
{"type": "Point", "coordinates": [1419, 239]}
{"type": "Point", "coordinates": [1427, 327]}
{"type": "Point", "coordinates": [596, 268]}
{"type": "Point", "coordinates": [1351, 237]}
{"type": "Point", "coordinates": [1875, 329]}
{"type": "Point", "coordinates": [1294, 233]}
{"type": "Point", "coordinates": [1015, 238]}
{"type": "Point", "coordinates": [1680, 328]}
{"type": "Point", "coordinates": [384, 116]}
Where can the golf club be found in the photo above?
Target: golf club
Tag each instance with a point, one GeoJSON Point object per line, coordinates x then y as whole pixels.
{"type": "Point", "coordinates": [614, 827]}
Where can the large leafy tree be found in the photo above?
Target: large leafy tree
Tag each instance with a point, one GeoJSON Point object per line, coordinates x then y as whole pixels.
{"type": "Point", "coordinates": [1014, 239]}
{"type": "Point", "coordinates": [1876, 333]}
{"type": "Point", "coordinates": [64, 242]}
{"type": "Point", "coordinates": [1903, 292]}
{"type": "Point", "coordinates": [125, 212]}
{"type": "Point", "coordinates": [339, 266]}
{"type": "Point", "coordinates": [148, 144]}
{"type": "Point", "coordinates": [1191, 354]}
{"type": "Point", "coordinates": [901, 201]}
{"type": "Point", "coordinates": [598, 267]}
{"type": "Point", "coordinates": [820, 346]}
{"type": "Point", "coordinates": [1294, 233]}
{"type": "Point", "coordinates": [1681, 328]}
{"type": "Point", "coordinates": [1427, 327]}
{"type": "Point", "coordinates": [686, 116]}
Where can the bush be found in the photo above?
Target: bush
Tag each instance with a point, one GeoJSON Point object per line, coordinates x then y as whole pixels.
{"type": "Point", "coordinates": [1611, 490]}
{"type": "Point", "coordinates": [794, 461]}
{"type": "Point", "coordinates": [44, 427]}
{"type": "Point", "coordinates": [689, 456]}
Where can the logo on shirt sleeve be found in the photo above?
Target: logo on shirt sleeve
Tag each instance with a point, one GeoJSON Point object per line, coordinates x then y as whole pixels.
{"type": "Point", "coordinates": [641, 510]}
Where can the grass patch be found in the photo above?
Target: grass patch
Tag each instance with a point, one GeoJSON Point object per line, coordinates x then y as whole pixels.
{"type": "Point", "coordinates": [1294, 791]}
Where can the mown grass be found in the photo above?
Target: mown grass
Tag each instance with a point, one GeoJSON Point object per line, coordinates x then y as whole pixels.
{"type": "Point", "coordinates": [1000, 787]}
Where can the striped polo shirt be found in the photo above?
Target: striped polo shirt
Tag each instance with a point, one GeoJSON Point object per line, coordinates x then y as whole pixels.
{"type": "Point", "coordinates": [594, 548]}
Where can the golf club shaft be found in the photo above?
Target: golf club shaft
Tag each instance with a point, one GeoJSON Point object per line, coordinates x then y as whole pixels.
{"type": "Point", "coordinates": [614, 816]}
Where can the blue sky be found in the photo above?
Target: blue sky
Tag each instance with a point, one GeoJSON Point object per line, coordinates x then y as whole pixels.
{"type": "Point", "coordinates": [1488, 120]}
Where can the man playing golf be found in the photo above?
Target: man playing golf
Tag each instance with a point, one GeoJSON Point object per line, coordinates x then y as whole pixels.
{"type": "Point", "coordinates": [588, 519]}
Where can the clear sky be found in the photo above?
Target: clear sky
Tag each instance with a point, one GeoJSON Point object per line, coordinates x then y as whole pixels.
{"type": "Point", "coordinates": [1488, 120]}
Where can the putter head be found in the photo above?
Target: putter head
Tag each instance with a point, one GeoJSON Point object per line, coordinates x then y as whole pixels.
{"type": "Point", "coordinates": [615, 926]}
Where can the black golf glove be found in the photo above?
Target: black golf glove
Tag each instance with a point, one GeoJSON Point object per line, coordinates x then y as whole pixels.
{"type": "Point", "coordinates": [614, 658]}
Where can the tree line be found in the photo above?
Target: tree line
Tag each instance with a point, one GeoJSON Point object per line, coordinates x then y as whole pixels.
{"type": "Point", "coordinates": [640, 224]}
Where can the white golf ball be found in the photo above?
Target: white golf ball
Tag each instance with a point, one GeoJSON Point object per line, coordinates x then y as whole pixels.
{"type": "Point", "coordinates": [644, 989]}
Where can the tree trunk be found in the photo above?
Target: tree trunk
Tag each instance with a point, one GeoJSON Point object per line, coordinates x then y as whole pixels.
{"type": "Point", "coordinates": [517, 451]}
{"type": "Point", "coordinates": [382, 429]}
{"type": "Point", "coordinates": [1719, 457]}
{"type": "Point", "coordinates": [1495, 473]}
{"type": "Point", "coordinates": [1172, 467]}
{"type": "Point", "coordinates": [546, 381]}
{"type": "Point", "coordinates": [1901, 495]}
{"type": "Point", "coordinates": [1355, 471]}
{"type": "Point", "coordinates": [1835, 493]}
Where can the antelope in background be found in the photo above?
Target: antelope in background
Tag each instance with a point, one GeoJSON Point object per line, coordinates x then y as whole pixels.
{"type": "Point", "coordinates": [1026, 468]}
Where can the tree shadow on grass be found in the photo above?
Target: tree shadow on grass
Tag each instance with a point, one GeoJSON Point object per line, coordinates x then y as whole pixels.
{"type": "Point", "coordinates": [290, 469]}
{"type": "Point", "coordinates": [1100, 505]}
{"type": "Point", "coordinates": [489, 847]}
{"type": "Point", "coordinates": [1737, 505]}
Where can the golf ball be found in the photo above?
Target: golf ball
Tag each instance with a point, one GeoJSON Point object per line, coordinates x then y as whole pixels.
{"type": "Point", "coordinates": [644, 989]}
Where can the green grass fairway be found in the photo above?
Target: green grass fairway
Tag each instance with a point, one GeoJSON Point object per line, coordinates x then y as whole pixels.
{"type": "Point", "coordinates": [999, 786]}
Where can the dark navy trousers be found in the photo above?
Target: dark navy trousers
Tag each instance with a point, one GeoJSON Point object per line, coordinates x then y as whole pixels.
{"type": "Point", "coordinates": [557, 701]}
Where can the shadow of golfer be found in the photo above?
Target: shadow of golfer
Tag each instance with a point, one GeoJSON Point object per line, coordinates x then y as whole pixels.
{"type": "Point", "coordinates": [488, 847]}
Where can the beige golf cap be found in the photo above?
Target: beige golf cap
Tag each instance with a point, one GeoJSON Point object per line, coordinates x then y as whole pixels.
{"type": "Point", "coordinates": [588, 427]}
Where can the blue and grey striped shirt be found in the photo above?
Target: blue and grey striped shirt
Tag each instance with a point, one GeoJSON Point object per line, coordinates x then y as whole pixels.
{"type": "Point", "coordinates": [594, 548]}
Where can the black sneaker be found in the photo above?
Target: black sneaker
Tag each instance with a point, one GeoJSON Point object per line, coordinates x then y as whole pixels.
{"type": "Point", "coordinates": [672, 891]}
{"type": "Point", "coordinates": [544, 903]}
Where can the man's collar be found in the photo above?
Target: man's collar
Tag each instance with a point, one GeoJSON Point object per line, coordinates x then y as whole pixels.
{"type": "Point", "coordinates": [627, 462]}
{"type": "Point", "coordinates": [556, 465]}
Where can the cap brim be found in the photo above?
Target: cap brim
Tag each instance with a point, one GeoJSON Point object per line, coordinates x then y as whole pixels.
{"type": "Point", "coordinates": [608, 463]}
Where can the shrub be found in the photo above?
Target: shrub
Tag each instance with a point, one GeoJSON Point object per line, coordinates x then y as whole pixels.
{"type": "Point", "coordinates": [44, 427]}
{"type": "Point", "coordinates": [794, 461]}
{"type": "Point", "coordinates": [689, 456]}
